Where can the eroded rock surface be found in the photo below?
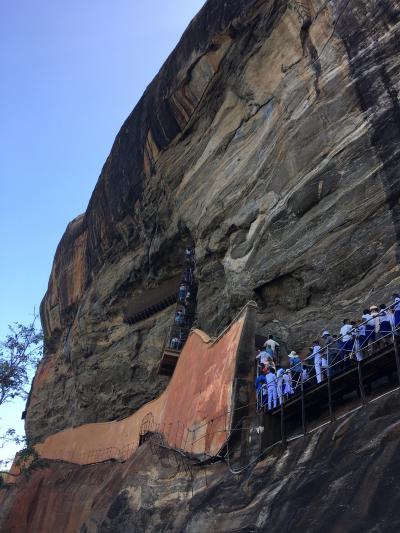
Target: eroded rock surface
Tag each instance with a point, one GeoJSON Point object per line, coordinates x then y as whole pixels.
{"type": "Point", "coordinates": [269, 140]}
{"type": "Point", "coordinates": [343, 478]}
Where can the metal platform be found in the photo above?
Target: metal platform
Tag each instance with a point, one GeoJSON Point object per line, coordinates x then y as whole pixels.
{"type": "Point", "coordinates": [168, 362]}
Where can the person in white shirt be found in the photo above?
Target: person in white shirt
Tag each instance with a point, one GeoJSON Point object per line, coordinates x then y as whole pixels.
{"type": "Point", "coordinates": [369, 326]}
{"type": "Point", "coordinates": [358, 333]}
{"type": "Point", "coordinates": [375, 315]}
{"type": "Point", "coordinates": [271, 344]}
{"type": "Point", "coordinates": [287, 383]}
{"type": "Point", "coordinates": [317, 354]}
{"type": "Point", "coordinates": [392, 320]}
{"type": "Point", "coordinates": [279, 384]}
{"type": "Point", "coordinates": [304, 374]}
{"type": "Point", "coordinates": [262, 356]}
{"type": "Point", "coordinates": [271, 380]}
{"type": "Point", "coordinates": [346, 342]}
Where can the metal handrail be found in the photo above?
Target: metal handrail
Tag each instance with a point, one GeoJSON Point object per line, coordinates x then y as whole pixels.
{"type": "Point", "coordinates": [326, 350]}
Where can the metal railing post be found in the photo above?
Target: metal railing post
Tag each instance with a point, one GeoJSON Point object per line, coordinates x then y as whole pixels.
{"type": "Point", "coordinates": [331, 413]}
{"type": "Point", "coordinates": [396, 355]}
{"type": "Point", "coordinates": [283, 434]}
{"type": "Point", "coordinates": [303, 408]}
{"type": "Point", "coordinates": [360, 384]}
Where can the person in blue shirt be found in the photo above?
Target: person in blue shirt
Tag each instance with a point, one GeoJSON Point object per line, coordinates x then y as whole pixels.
{"type": "Point", "coordinates": [261, 387]}
{"type": "Point", "coordinates": [396, 298]}
{"type": "Point", "coordinates": [295, 366]}
{"type": "Point", "coordinates": [272, 389]}
{"type": "Point", "coordinates": [182, 292]}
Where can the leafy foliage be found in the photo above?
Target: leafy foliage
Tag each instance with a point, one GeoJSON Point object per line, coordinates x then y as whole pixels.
{"type": "Point", "coordinates": [19, 352]}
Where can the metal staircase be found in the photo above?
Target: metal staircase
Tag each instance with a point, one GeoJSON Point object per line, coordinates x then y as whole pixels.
{"type": "Point", "coordinates": [184, 316]}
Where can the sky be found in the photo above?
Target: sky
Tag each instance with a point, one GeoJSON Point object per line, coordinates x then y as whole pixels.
{"type": "Point", "coordinates": [71, 72]}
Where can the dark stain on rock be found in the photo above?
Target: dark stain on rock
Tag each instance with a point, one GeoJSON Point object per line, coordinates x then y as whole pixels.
{"type": "Point", "coordinates": [286, 291]}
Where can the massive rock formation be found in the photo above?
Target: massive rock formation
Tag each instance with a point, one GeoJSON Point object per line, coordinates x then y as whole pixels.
{"type": "Point", "coordinates": [341, 479]}
{"type": "Point", "coordinates": [270, 141]}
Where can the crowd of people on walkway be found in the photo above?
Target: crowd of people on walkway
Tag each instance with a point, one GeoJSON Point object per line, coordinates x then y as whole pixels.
{"type": "Point", "coordinates": [186, 303]}
{"type": "Point", "coordinates": [327, 356]}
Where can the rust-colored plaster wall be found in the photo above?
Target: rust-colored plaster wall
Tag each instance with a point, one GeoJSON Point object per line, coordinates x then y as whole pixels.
{"type": "Point", "coordinates": [193, 413]}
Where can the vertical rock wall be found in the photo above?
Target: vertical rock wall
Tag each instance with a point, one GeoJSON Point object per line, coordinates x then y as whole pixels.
{"type": "Point", "coordinates": [270, 140]}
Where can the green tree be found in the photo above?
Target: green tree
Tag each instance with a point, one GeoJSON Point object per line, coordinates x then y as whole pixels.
{"type": "Point", "coordinates": [20, 353]}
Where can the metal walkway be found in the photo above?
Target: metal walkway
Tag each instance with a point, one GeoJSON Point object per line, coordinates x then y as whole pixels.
{"type": "Point", "coordinates": [315, 399]}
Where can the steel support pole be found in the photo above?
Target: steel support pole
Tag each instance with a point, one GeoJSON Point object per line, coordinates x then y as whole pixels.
{"type": "Point", "coordinates": [397, 356]}
{"type": "Point", "coordinates": [283, 434]}
{"type": "Point", "coordinates": [360, 384]}
{"type": "Point", "coordinates": [331, 413]}
{"type": "Point", "coordinates": [303, 408]}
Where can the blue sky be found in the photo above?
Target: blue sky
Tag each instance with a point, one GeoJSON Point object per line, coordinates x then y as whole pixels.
{"type": "Point", "coordinates": [71, 72]}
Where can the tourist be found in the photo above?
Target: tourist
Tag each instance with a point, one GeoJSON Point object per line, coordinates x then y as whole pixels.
{"type": "Point", "coordinates": [354, 334]}
{"type": "Point", "coordinates": [180, 317]}
{"type": "Point", "coordinates": [346, 343]}
{"type": "Point", "coordinates": [295, 366]}
{"type": "Point", "coordinates": [327, 344]}
{"type": "Point", "coordinates": [369, 321]}
{"type": "Point", "coordinates": [261, 386]}
{"type": "Point", "coordinates": [362, 335]}
{"type": "Point", "coordinates": [287, 383]}
{"type": "Point", "coordinates": [262, 356]}
{"type": "Point", "coordinates": [359, 336]}
{"type": "Point", "coordinates": [279, 384]}
{"type": "Point", "coordinates": [260, 380]}
{"type": "Point", "coordinates": [174, 343]}
{"type": "Point", "coordinates": [189, 252]}
{"type": "Point", "coordinates": [392, 320]}
{"type": "Point", "coordinates": [272, 389]}
{"type": "Point", "coordinates": [188, 298]}
{"type": "Point", "coordinates": [333, 358]}
{"type": "Point", "coordinates": [305, 375]}
{"type": "Point", "coordinates": [385, 329]}
{"type": "Point", "coordinates": [317, 355]}
{"type": "Point", "coordinates": [188, 276]}
{"type": "Point", "coordinates": [396, 298]}
{"type": "Point", "coordinates": [374, 310]}
{"type": "Point", "coordinates": [270, 363]}
{"type": "Point", "coordinates": [270, 343]}
{"type": "Point", "coordinates": [182, 293]}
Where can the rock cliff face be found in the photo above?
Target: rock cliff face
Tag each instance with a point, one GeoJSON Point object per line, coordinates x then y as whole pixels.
{"type": "Point", "coordinates": [341, 479]}
{"type": "Point", "coordinates": [270, 141]}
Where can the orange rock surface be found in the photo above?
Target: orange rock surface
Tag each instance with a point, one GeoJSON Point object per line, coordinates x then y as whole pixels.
{"type": "Point", "coordinates": [194, 413]}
